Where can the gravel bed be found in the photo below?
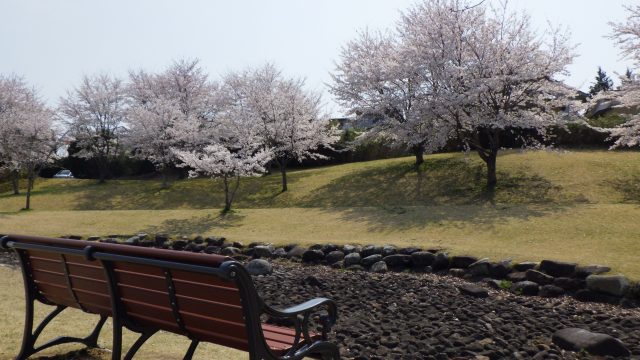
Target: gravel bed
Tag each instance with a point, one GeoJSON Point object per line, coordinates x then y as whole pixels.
{"type": "Point", "coordinates": [424, 316]}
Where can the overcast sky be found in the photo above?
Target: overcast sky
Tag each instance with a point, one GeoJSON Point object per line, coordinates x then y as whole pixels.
{"type": "Point", "coordinates": [53, 43]}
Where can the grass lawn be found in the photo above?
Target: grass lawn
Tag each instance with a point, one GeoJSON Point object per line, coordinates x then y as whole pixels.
{"type": "Point", "coordinates": [76, 323]}
{"type": "Point", "coordinates": [581, 206]}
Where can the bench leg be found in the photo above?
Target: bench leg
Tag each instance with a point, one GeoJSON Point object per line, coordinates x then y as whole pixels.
{"type": "Point", "coordinates": [30, 337]}
{"type": "Point", "coordinates": [136, 346]}
{"type": "Point", "coordinates": [192, 350]}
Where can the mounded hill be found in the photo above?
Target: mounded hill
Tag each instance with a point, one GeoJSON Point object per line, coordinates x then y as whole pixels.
{"type": "Point", "coordinates": [571, 205]}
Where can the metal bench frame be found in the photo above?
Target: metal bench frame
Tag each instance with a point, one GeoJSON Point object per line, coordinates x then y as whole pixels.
{"type": "Point", "coordinates": [252, 307]}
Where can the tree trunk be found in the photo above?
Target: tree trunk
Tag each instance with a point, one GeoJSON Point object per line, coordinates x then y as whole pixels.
{"type": "Point", "coordinates": [283, 172]}
{"type": "Point", "coordinates": [15, 181]}
{"type": "Point", "coordinates": [229, 194]}
{"type": "Point", "coordinates": [492, 179]}
{"type": "Point", "coordinates": [30, 181]}
{"type": "Point", "coordinates": [102, 169]}
{"type": "Point", "coordinates": [418, 151]}
{"type": "Point", "coordinates": [165, 177]}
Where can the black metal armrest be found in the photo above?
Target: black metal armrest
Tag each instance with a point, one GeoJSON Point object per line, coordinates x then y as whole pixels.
{"type": "Point", "coordinates": [303, 308]}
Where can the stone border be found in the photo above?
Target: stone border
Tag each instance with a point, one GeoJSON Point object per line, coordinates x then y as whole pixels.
{"type": "Point", "coordinates": [547, 278]}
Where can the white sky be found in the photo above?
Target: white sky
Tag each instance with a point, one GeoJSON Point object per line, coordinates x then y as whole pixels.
{"type": "Point", "coordinates": [53, 43]}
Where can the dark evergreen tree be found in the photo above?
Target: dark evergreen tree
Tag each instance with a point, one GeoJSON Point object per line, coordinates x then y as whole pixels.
{"type": "Point", "coordinates": [603, 82]}
{"type": "Point", "coordinates": [628, 74]}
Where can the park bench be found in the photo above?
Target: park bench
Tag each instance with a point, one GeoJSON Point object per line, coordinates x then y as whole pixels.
{"type": "Point", "coordinates": [207, 298]}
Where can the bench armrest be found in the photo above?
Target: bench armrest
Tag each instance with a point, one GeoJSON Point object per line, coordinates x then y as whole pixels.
{"type": "Point", "coordinates": [304, 310]}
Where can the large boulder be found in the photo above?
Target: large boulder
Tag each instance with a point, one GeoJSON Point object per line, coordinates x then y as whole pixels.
{"type": "Point", "coordinates": [528, 288]}
{"type": "Point", "coordinates": [569, 284]}
{"type": "Point", "coordinates": [259, 267]}
{"type": "Point", "coordinates": [348, 249]}
{"type": "Point", "coordinates": [263, 251]}
{"type": "Point", "coordinates": [517, 276]}
{"type": "Point", "coordinates": [389, 250]}
{"type": "Point", "coordinates": [230, 251]}
{"type": "Point", "coordinates": [524, 266]}
{"type": "Point", "coordinates": [538, 277]}
{"type": "Point", "coordinates": [550, 291]}
{"type": "Point", "coordinates": [462, 262]}
{"type": "Point", "coordinates": [379, 267]}
{"type": "Point", "coordinates": [352, 259]}
{"type": "Point", "coordinates": [408, 250]}
{"type": "Point", "coordinates": [371, 250]}
{"type": "Point", "coordinates": [615, 285]}
{"type": "Point", "coordinates": [296, 252]}
{"type": "Point", "coordinates": [327, 248]}
{"type": "Point", "coordinates": [422, 258]}
{"type": "Point", "coordinates": [398, 260]}
{"type": "Point", "coordinates": [499, 270]}
{"type": "Point", "coordinates": [334, 256]}
{"type": "Point", "coordinates": [584, 271]}
{"type": "Point", "coordinates": [575, 339]}
{"type": "Point", "coordinates": [441, 262]}
{"type": "Point", "coordinates": [481, 267]}
{"type": "Point", "coordinates": [312, 256]}
{"type": "Point", "coordinates": [371, 259]}
{"type": "Point", "coordinates": [557, 268]}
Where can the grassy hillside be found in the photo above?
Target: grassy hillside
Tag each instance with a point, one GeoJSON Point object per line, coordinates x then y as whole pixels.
{"type": "Point", "coordinates": [580, 206]}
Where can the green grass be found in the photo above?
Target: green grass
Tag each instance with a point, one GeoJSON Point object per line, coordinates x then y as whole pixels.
{"type": "Point", "coordinates": [580, 205]}
{"type": "Point", "coordinates": [76, 323]}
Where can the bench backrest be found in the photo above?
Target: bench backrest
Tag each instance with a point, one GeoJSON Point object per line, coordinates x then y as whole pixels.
{"type": "Point", "coordinates": [205, 297]}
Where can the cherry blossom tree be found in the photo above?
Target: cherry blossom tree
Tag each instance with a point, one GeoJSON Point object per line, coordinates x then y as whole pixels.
{"type": "Point", "coordinates": [627, 37]}
{"type": "Point", "coordinates": [288, 117]}
{"type": "Point", "coordinates": [26, 128]}
{"type": "Point", "coordinates": [95, 114]}
{"type": "Point", "coordinates": [378, 75]}
{"type": "Point", "coordinates": [164, 108]}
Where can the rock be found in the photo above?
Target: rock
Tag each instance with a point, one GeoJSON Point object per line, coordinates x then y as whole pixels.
{"type": "Point", "coordinates": [499, 270]}
{"type": "Point", "coordinates": [371, 250]}
{"type": "Point", "coordinates": [538, 277]}
{"type": "Point", "coordinates": [388, 250]}
{"type": "Point", "coordinates": [356, 268]}
{"type": "Point", "coordinates": [296, 252]}
{"type": "Point", "coordinates": [524, 266]}
{"type": "Point", "coordinates": [312, 281]}
{"type": "Point", "coordinates": [230, 251]}
{"type": "Point", "coordinates": [550, 291]}
{"type": "Point", "coordinates": [190, 247]}
{"type": "Point", "coordinates": [462, 262]}
{"type": "Point", "coordinates": [237, 244]}
{"type": "Point", "coordinates": [212, 249]}
{"type": "Point", "coordinates": [457, 272]}
{"type": "Point", "coordinates": [408, 250]}
{"type": "Point", "coordinates": [481, 267]}
{"type": "Point", "coordinates": [334, 257]}
{"type": "Point", "coordinates": [587, 295]}
{"type": "Point", "coordinates": [575, 339]}
{"type": "Point", "coordinates": [352, 259]}
{"type": "Point", "coordinates": [494, 284]}
{"type": "Point", "coordinates": [280, 253]}
{"type": "Point", "coordinates": [147, 243]}
{"type": "Point", "coordinates": [584, 271]}
{"type": "Point", "coordinates": [73, 237]}
{"type": "Point", "coordinates": [615, 285]}
{"type": "Point", "coordinates": [258, 267]}
{"type": "Point", "coordinates": [198, 240]}
{"type": "Point", "coordinates": [379, 267]}
{"type": "Point", "coordinates": [528, 288]}
{"type": "Point", "coordinates": [214, 241]}
{"type": "Point", "coordinates": [93, 238]}
{"type": "Point", "coordinates": [134, 240]}
{"type": "Point", "coordinates": [557, 268]}
{"type": "Point", "coordinates": [473, 290]}
{"type": "Point", "coordinates": [312, 256]}
{"type": "Point", "coordinates": [338, 265]}
{"type": "Point", "coordinates": [348, 249]}
{"type": "Point", "coordinates": [328, 248]}
{"type": "Point", "coordinates": [397, 261]}
{"type": "Point", "coordinates": [161, 239]}
{"type": "Point", "coordinates": [263, 251]}
{"type": "Point", "coordinates": [569, 284]}
{"type": "Point", "coordinates": [316, 247]}
{"type": "Point", "coordinates": [370, 260]}
{"type": "Point", "coordinates": [422, 258]}
{"type": "Point", "coordinates": [441, 262]}
{"type": "Point", "coordinates": [517, 276]}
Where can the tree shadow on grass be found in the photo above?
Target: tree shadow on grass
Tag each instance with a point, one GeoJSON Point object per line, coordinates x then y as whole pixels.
{"type": "Point", "coordinates": [629, 188]}
{"type": "Point", "coordinates": [196, 225]}
{"type": "Point", "coordinates": [448, 189]}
